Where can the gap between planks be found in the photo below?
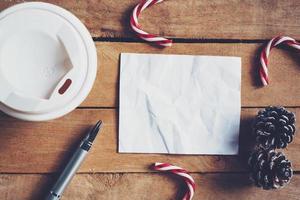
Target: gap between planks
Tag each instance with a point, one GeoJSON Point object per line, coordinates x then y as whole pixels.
{"type": "Point", "coordinates": [184, 40]}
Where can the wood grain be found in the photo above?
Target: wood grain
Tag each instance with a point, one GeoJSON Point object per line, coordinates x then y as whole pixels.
{"type": "Point", "coordinates": [150, 186]}
{"type": "Point", "coordinates": [46, 146]}
{"type": "Point", "coordinates": [234, 19]}
{"type": "Point", "coordinates": [284, 72]}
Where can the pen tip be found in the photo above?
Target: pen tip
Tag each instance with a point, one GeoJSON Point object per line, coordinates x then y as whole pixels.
{"type": "Point", "coordinates": [95, 131]}
{"type": "Point", "coordinates": [98, 125]}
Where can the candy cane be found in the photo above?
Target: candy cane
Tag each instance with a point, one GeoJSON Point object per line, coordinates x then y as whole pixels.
{"type": "Point", "coordinates": [263, 70]}
{"type": "Point", "coordinates": [142, 34]}
{"type": "Point", "coordinates": [180, 172]}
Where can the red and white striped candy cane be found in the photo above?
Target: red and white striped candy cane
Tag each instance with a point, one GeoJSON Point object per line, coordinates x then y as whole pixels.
{"type": "Point", "coordinates": [188, 179]}
{"type": "Point", "coordinates": [137, 28]}
{"type": "Point", "coordinates": [263, 70]}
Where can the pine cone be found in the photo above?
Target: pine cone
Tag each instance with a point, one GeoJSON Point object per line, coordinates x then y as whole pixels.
{"type": "Point", "coordinates": [269, 169]}
{"type": "Point", "coordinates": [274, 127]}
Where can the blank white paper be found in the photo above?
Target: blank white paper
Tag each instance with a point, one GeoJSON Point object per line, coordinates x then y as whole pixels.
{"type": "Point", "coordinates": [179, 104]}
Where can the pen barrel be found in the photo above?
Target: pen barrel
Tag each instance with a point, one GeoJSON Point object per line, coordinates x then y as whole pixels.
{"type": "Point", "coordinates": [67, 174]}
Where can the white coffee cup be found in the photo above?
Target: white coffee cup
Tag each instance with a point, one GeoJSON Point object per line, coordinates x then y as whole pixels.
{"type": "Point", "coordinates": [48, 61]}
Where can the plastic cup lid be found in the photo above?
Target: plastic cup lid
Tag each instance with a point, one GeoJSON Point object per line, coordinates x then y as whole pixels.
{"type": "Point", "coordinates": [48, 61]}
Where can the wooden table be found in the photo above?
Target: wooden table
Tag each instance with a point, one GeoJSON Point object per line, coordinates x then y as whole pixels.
{"type": "Point", "coordinates": [33, 153]}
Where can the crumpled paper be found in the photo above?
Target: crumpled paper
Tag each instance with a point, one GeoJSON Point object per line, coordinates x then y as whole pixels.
{"type": "Point", "coordinates": [179, 104]}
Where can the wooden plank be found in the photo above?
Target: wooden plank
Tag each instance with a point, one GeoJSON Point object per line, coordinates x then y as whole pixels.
{"type": "Point", "coordinates": [46, 146]}
{"type": "Point", "coordinates": [284, 72]}
{"type": "Point", "coordinates": [142, 186]}
{"type": "Point", "coordinates": [235, 19]}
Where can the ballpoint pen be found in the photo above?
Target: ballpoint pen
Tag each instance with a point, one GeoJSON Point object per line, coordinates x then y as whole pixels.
{"type": "Point", "coordinates": [73, 165]}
